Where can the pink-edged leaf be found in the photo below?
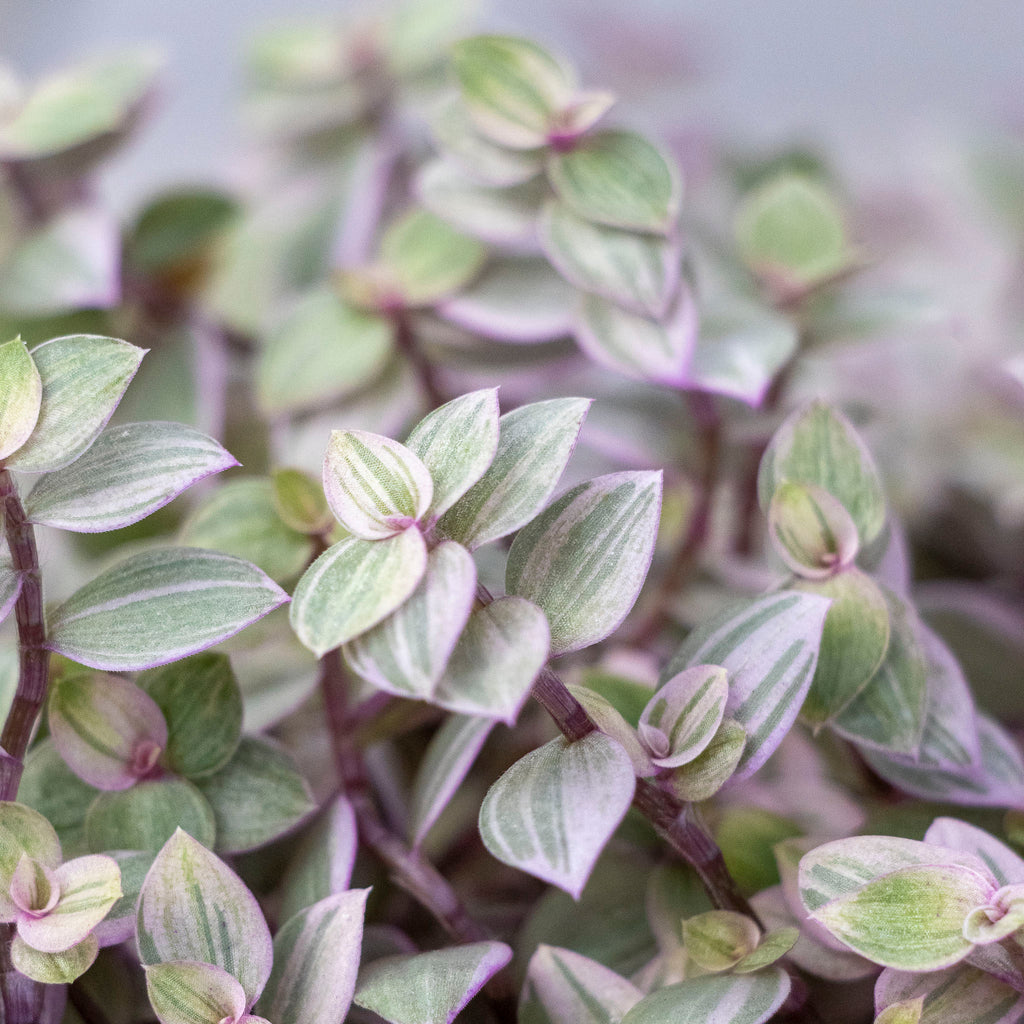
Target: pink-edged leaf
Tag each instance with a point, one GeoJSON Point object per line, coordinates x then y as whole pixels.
{"type": "Point", "coordinates": [109, 732]}
{"type": "Point", "coordinates": [34, 887]}
{"type": "Point", "coordinates": [1006, 866]}
{"type": "Point", "coordinates": [681, 719]}
{"type": "Point", "coordinates": [960, 993]}
{"type": "Point", "coordinates": [23, 831]}
{"type": "Point", "coordinates": [54, 969]}
{"type": "Point", "coordinates": [721, 999]}
{"type": "Point", "coordinates": [21, 393]}
{"type": "Point", "coordinates": [189, 992]}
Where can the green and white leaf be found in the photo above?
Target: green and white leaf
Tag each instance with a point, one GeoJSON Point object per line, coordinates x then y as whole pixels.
{"type": "Point", "coordinates": [810, 530]}
{"type": "Point", "coordinates": [83, 378]}
{"type": "Point", "coordinates": [534, 445]}
{"type": "Point", "coordinates": [725, 999]}
{"type": "Point", "coordinates": [128, 473]}
{"type": "Point", "coordinates": [23, 832]}
{"type": "Point", "coordinates": [119, 924]}
{"type": "Point", "coordinates": [958, 993]}
{"type": "Point", "coordinates": [683, 716]}
{"type": "Point", "coordinates": [187, 992]}
{"type": "Point", "coordinates": [21, 394]}
{"type": "Point", "coordinates": [49, 786]}
{"type": "Point", "coordinates": [773, 946]}
{"type": "Point", "coordinates": [585, 558]}
{"type": "Point", "coordinates": [552, 812]}
{"type": "Point", "coordinates": [159, 606]}
{"type": "Point", "coordinates": [54, 968]}
{"type": "Point", "coordinates": [354, 585]}
{"type": "Point", "coordinates": [1006, 866]}
{"type": "Point", "coordinates": [712, 768]}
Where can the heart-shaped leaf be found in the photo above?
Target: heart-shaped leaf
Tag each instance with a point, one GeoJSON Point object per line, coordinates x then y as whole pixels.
{"type": "Point", "coordinates": [21, 394]}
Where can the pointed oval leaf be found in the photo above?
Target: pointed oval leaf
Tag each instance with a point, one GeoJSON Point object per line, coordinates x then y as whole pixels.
{"type": "Point", "coordinates": [194, 907]}
{"type": "Point", "coordinates": [145, 816]}
{"type": "Point", "coordinates": [128, 473]}
{"type": "Point", "coordinates": [683, 716]}
{"type": "Point", "coordinates": [562, 985]}
{"type": "Point", "coordinates": [83, 378]}
{"type": "Point", "coordinates": [187, 992]}
{"type": "Point", "coordinates": [375, 486]}
{"type": "Point", "coordinates": [21, 393]}
{"type": "Point", "coordinates": [354, 585]}
{"type": "Point", "coordinates": [958, 993]}
{"type": "Point", "coordinates": [316, 957]}
{"type": "Point", "coordinates": [618, 178]}
{"type": "Point", "coordinates": [457, 442]}
{"type": "Point", "coordinates": [1006, 866]}
{"type": "Point", "coordinates": [552, 812]}
{"type": "Point", "coordinates": [817, 445]}
{"type": "Point", "coordinates": [495, 661]}
{"type": "Point", "coordinates": [256, 797]}
{"type": "Point", "coordinates": [54, 968]}
{"type": "Point", "coordinates": [429, 988]}
{"type": "Point", "coordinates": [446, 762]}
{"type": "Point", "coordinates": [712, 768]}
{"type": "Point", "coordinates": [108, 731]}
{"type": "Point", "coordinates": [534, 445]}
{"type": "Point", "coordinates": [769, 647]}
{"type": "Point", "coordinates": [159, 606]}
{"type": "Point", "coordinates": [202, 705]}
{"type": "Point", "coordinates": [810, 530]}
{"type": "Point", "coordinates": [584, 559]}
{"type": "Point", "coordinates": [637, 272]}
{"type": "Point", "coordinates": [726, 999]}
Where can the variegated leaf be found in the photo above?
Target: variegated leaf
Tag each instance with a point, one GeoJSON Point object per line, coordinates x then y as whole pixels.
{"type": "Point", "coordinates": [959, 993]}
{"type": "Point", "coordinates": [159, 606]}
{"type": "Point", "coordinates": [21, 393]}
{"type": "Point", "coordinates": [534, 445]}
{"type": "Point", "coordinates": [606, 716]}
{"type": "Point", "coordinates": [23, 832]}
{"type": "Point", "coordinates": [769, 648]}
{"type": "Point", "coordinates": [1006, 866]}
{"type": "Point", "coordinates": [906, 1012]}
{"type": "Point", "coordinates": [187, 992]}
{"type": "Point", "coordinates": [128, 473]}
{"type": "Point", "coordinates": [684, 714]}
{"type": "Point", "coordinates": [354, 585]}
{"type": "Point", "coordinates": [712, 768]}
{"type": "Point", "coordinates": [726, 999]}
{"type": "Point", "coordinates": [194, 907]}
{"type": "Point", "coordinates": [119, 924]}
{"type": "Point", "coordinates": [553, 811]}
{"type": "Point", "coordinates": [584, 559]}
{"type": "Point", "coordinates": [54, 968]}
{"type": "Point", "coordinates": [811, 530]}
{"type": "Point", "coordinates": [429, 988]}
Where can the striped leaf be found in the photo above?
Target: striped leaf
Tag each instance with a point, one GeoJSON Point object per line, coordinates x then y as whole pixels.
{"type": "Point", "coordinates": [637, 345]}
{"type": "Point", "coordinates": [769, 648]}
{"type": "Point", "coordinates": [161, 605]}
{"type": "Point", "coordinates": [534, 445]}
{"type": "Point", "coordinates": [495, 661]}
{"type": "Point", "coordinates": [552, 812]}
{"type": "Point", "coordinates": [21, 394]}
{"type": "Point", "coordinates": [119, 924]}
{"type": "Point", "coordinates": [637, 272]}
{"type": "Point", "coordinates": [606, 716]}
{"type": "Point", "coordinates": [322, 863]}
{"type": "Point", "coordinates": [618, 178]}
{"type": "Point", "coordinates": [960, 993]}
{"type": "Point", "coordinates": [194, 907]}
{"type": "Point", "coordinates": [562, 985]}
{"type": "Point", "coordinates": [256, 797]}
{"type": "Point", "coordinates": [682, 718]}
{"type": "Point", "coordinates": [54, 968]}
{"type": "Point", "coordinates": [128, 473]}
{"type": "Point", "coordinates": [810, 530]}
{"type": "Point", "coordinates": [83, 377]}
{"type": "Point", "coordinates": [1006, 866]}
{"type": "Point", "coordinates": [354, 585]}
{"type": "Point", "coordinates": [726, 999]}
{"type": "Point", "coordinates": [457, 442]}
{"type": "Point", "coordinates": [108, 731]}
{"type": "Point", "coordinates": [583, 560]}
{"type": "Point", "coordinates": [316, 957]}
{"type": "Point", "coordinates": [712, 768]}
{"type": "Point", "coordinates": [817, 445]}
{"type": "Point", "coordinates": [854, 642]}
{"type": "Point", "coordinates": [187, 992]}
{"type": "Point", "coordinates": [24, 832]}
{"type": "Point", "coordinates": [446, 762]}
{"type": "Point", "coordinates": [429, 988]}
{"type": "Point", "coordinates": [375, 486]}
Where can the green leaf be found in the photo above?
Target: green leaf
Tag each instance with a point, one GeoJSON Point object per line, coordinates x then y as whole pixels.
{"type": "Point", "coordinates": [490, 671]}
{"type": "Point", "coordinates": [316, 957]}
{"type": "Point", "coordinates": [682, 717]}
{"type": "Point", "coordinates": [637, 272]}
{"type": "Point", "coordinates": [54, 968]}
{"type": "Point", "coordinates": [376, 487]}
{"type": "Point", "coordinates": [83, 377]}
{"type": "Point", "coordinates": [583, 560]}
{"type": "Point", "coordinates": [418, 36]}
{"type": "Point", "coordinates": [256, 797]}
{"type": "Point", "coordinates": [445, 764]}
{"type": "Point", "coordinates": [240, 518]}
{"type": "Point", "coordinates": [323, 350]}
{"type": "Point", "coordinates": [811, 531]}
{"type": "Point", "coordinates": [187, 992]}
{"type": "Point", "coordinates": [49, 786]}
{"type": "Point", "coordinates": [23, 832]}
{"type": "Point", "coordinates": [561, 985]}
{"type": "Point", "coordinates": [128, 473]}
{"type": "Point", "coordinates": [719, 939]}
{"type": "Point", "coordinates": [300, 501]}
{"type": "Point", "coordinates": [726, 999]}
{"type": "Point", "coordinates": [429, 988]}
{"type": "Point", "coordinates": [202, 705]}
{"type": "Point", "coordinates": [773, 946]}
{"type": "Point", "coordinates": [534, 445]}
{"type": "Point", "coordinates": [108, 731]}
{"type": "Point", "coordinates": [958, 993]}
{"type": "Point", "coordinates": [193, 907]}
{"type": "Point", "coordinates": [457, 442]}
{"type": "Point", "coordinates": [908, 1012]}
{"type": "Point", "coordinates": [145, 816]}
{"type": "Point", "coordinates": [817, 445]}
{"type": "Point", "coordinates": [552, 812]}
{"type": "Point", "coordinates": [618, 178]}
{"type": "Point", "coordinates": [21, 392]}
{"type": "Point", "coordinates": [159, 606]}
{"type": "Point", "coordinates": [354, 585]}
{"type": "Point", "coordinates": [853, 643]}
{"type": "Point", "coordinates": [512, 89]}
{"type": "Point", "coordinates": [712, 768]}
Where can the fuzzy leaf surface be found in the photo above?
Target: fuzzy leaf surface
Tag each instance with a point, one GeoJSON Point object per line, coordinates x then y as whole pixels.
{"type": "Point", "coordinates": [21, 394]}
{"type": "Point", "coordinates": [54, 968]}
{"type": "Point", "coordinates": [187, 992]}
